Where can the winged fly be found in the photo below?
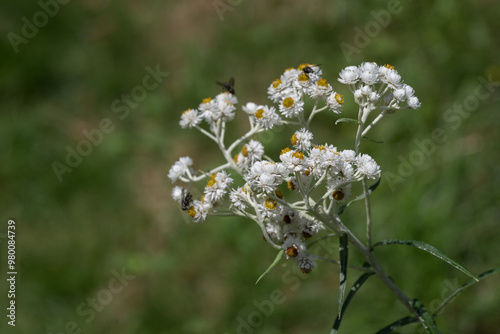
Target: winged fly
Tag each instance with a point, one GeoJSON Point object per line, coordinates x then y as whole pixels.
{"type": "Point", "coordinates": [229, 86]}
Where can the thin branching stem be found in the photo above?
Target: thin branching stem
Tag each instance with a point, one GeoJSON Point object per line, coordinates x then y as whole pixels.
{"type": "Point", "coordinates": [375, 121]}
{"type": "Point", "coordinates": [368, 214]}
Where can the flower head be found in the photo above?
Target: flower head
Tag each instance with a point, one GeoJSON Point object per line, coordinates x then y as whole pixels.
{"type": "Point", "coordinates": [301, 139]}
{"type": "Point", "coordinates": [179, 168]}
{"type": "Point", "coordinates": [291, 106]}
{"type": "Point", "coordinates": [349, 75]}
{"type": "Point", "coordinates": [190, 118]}
{"type": "Point", "coordinates": [367, 167]}
{"type": "Point", "coordinates": [217, 186]}
{"type": "Point", "coordinates": [335, 102]}
{"type": "Point", "coordinates": [266, 117]}
{"type": "Point", "coordinates": [265, 176]}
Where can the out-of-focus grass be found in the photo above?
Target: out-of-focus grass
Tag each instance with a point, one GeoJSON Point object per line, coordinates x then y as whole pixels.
{"type": "Point", "coordinates": [114, 210]}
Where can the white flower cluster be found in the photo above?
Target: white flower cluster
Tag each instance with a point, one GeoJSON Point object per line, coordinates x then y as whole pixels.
{"type": "Point", "coordinates": [211, 110]}
{"type": "Point", "coordinates": [294, 83]}
{"type": "Point", "coordinates": [392, 92]}
{"type": "Point", "coordinates": [317, 177]}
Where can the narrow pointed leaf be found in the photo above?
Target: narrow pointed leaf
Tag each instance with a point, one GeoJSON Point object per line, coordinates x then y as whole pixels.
{"type": "Point", "coordinates": [275, 262]}
{"type": "Point", "coordinates": [347, 120]}
{"type": "Point", "coordinates": [428, 248]}
{"type": "Point", "coordinates": [349, 297]}
{"type": "Point", "coordinates": [425, 318]}
{"type": "Point", "coordinates": [464, 286]}
{"type": "Point", "coordinates": [360, 197]}
{"type": "Point", "coordinates": [397, 324]}
{"type": "Point", "coordinates": [409, 320]}
{"type": "Point", "coordinates": [374, 141]}
{"type": "Point", "coordinates": [343, 255]}
{"type": "Point", "coordinates": [374, 186]}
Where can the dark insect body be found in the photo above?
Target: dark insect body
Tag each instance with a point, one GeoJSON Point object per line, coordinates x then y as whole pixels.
{"type": "Point", "coordinates": [186, 201]}
{"type": "Point", "coordinates": [229, 86]}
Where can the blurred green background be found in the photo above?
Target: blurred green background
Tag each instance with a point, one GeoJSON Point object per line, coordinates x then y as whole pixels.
{"type": "Point", "coordinates": [113, 211]}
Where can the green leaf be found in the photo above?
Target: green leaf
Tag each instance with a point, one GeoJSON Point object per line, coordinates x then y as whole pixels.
{"type": "Point", "coordinates": [425, 318]}
{"type": "Point", "coordinates": [347, 120]}
{"type": "Point", "coordinates": [397, 324]}
{"type": "Point", "coordinates": [275, 262]}
{"type": "Point", "coordinates": [349, 297]}
{"type": "Point", "coordinates": [374, 186]}
{"type": "Point", "coordinates": [461, 288]}
{"type": "Point", "coordinates": [360, 197]}
{"type": "Point", "coordinates": [409, 319]}
{"type": "Point", "coordinates": [428, 248]}
{"type": "Point", "coordinates": [344, 256]}
{"type": "Point", "coordinates": [374, 141]}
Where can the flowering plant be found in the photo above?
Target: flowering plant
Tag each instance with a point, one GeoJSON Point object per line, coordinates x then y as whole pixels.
{"type": "Point", "coordinates": [318, 177]}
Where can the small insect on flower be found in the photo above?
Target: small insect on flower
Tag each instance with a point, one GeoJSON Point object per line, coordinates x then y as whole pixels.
{"type": "Point", "coordinates": [229, 86]}
{"type": "Point", "coordinates": [309, 69]}
{"type": "Point", "coordinates": [186, 200]}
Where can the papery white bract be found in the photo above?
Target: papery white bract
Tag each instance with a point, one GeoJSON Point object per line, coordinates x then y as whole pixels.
{"type": "Point", "coordinates": [238, 198]}
{"type": "Point", "coordinates": [179, 168]}
{"type": "Point", "coordinates": [291, 106]}
{"type": "Point", "coordinates": [177, 193]}
{"type": "Point", "coordinates": [190, 118]}
{"type": "Point", "coordinates": [265, 176]}
{"type": "Point", "coordinates": [301, 139]}
{"type": "Point", "coordinates": [335, 102]}
{"type": "Point", "coordinates": [266, 117]}
{"type": "Point", "coordinates": [217, 186]}
{"type": "Point", "coordinates": [367, 166]}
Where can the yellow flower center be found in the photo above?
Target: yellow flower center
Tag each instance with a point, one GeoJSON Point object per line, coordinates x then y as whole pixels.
{"type": "Point", "coordinates": [276, 83]}
{"type": "Point", "coordinates": [259, 113]}
{"type": "Point", "coordinates": [389, 66]}
{"type": "Point", "coordinates": [303, 77]}
{"type": "Point", "coordinates": [271, 204]}
{"type": "Point", "coordinates": [322, 83]}
{"type": "Point", "coordinates": [294, 139]}
{"type": "Point", "coordinates": [288, 102]}
{"type": "Point", "coordinates": [285, 150]}
{"type": "Point", "coordinates": [307, 172]}
{"type": "Point", "coordinates": [290, 185]}
{"type": "Point", "coordinates": [206, 100]}
{"type": "Point", "coordinates": [235, 158]}
{"type": "Point", "coordinates": [212, 180]}
{"type": "Point", "coordinates": [289, 69]}
{"type": "Point", "coordinates": [192, 212]}
{"type": "Point", "coordinates": [339, 98]}
{"type": "Point", "coordinates": [298, 155]}
{"type": "Point", "coordinates": [320, 147]}
{"type": "Point", "coordinates": [244, 151]}
{"type": "Point", "coordinates": [302, 66]}
{"type": "Point", "coordinates": [279, 194]}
